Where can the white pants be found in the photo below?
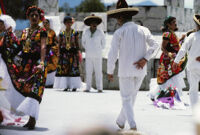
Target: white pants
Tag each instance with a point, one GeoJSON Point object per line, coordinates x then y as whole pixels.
{"type": "Point", "coordinates": [94, 64]}
{"type": "Point", "coordinates": [194, 86]}
{"type": "Point", "coordinates": [129, 87]}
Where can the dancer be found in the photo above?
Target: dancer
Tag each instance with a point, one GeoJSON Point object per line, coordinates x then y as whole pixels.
{"type": "Point", "coordinates": [67, 73]}
{"type": "Point", "coordinates": [26, 65]}
{"type": "Point", "coordinates": [52, 53]}
{"type": "Point", "coordinates": [93, 40]}
{"type": "Point", "coordinates": [130, 42]}
{"type": "Point", "coordinates": [166, 74]}
{"type": "Point", "coordinates": [192, 48]}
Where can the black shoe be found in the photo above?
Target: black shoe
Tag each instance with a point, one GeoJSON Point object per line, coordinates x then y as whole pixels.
{"type": "Point", "coordinates": [67, 89]}
{"type": "Point", "coordinates": [31, 123]}
{"type": "Point", "coordinates": [74, 89]}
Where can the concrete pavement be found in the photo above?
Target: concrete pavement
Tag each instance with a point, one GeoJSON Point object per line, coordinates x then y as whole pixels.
{"type": "Point", "coordinates": [64, 113]}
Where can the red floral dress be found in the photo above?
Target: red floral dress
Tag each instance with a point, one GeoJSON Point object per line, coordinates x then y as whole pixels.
{"type": "Point", "coordinates": [165, 70]}
{"type": "Point", "coordinates": [22, 57]}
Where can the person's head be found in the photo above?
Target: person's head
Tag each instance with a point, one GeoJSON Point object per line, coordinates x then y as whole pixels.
{"type": "Point", "coordinates": [35, 15]}
{"type": "Point", "coordinates": [46, 23]}
{"type": "Point", "coordinates": [2, 26]}
{"type": "Point", "coordinates": [170, 24]}
{"type": "Point", "coordinates": [92, 21]}
{"type": "Point", "coordinates": [123, 18]}
{"type": "Point", "coordinates": [93, 25]}
{"type": "Point", "coordinates": [68, 21]}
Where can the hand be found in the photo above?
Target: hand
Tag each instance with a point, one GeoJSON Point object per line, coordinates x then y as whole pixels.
{"type": "Point", "coordinates": [40, 66]}
{"type": "Point", "coordinates": [110, 77]}
{"type": "Point", "coordinates": [175, 66]}
{"type": "Point", "coordinates": [141, 63]}
{"type": "Point", "coordinates": [198, 59]}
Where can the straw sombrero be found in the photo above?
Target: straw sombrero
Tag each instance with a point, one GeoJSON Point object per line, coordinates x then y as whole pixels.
{"type": "Point", "coordinates": [92, 18]}
{"type": "Point", "coordinates": [197, 19]}
{"type": "Point", "coordinates": [122, 9]}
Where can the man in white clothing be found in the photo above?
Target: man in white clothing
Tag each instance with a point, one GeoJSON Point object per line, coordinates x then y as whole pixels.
{"type": "Point", "coordinates": [130, 42]}
{"type": "Point", "coordinates": [93, 40]}
{"type": "Point", "coordinates": [191, 46]}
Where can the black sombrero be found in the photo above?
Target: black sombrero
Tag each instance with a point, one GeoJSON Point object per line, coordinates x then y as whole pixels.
{"type": "Point", "coordinates": [92, 18]}
{"type": "Point", "coordinates": [122, 9]}
{"type": "Point", "coordinates": [197, 19]}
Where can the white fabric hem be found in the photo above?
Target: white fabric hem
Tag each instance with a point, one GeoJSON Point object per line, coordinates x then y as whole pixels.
{"type": "Point", "coordinates": [29, 106]}
{"type": "Point", "coordinates": [50, 78]}
{"type": "Point", "coordinates": [67, 82]}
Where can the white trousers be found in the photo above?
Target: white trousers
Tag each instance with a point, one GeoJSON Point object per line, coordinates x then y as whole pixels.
{"type": "Point", "coordinates": [129, 87]}
{"type": "Point", "coordinates": [194, 86]}
{"type": "Point", "coordinates": [94, 64]}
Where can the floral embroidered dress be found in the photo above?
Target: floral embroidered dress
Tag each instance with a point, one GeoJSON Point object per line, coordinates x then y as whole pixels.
{"type": "Point", "coordinates": [165, 70]}
{"type": "Point", "coordinates": [68, 64]}
{"type": "Point", "coordinates": [52, 51]}
{"type": "Point", "coordinates": [22, 57]}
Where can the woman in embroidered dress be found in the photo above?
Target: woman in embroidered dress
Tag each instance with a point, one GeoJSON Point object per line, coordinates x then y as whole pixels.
{"type": "Point", "coordinates": [52, 53]}
{"type": "Point", "coordinates": [67, 73]}
{"type": "Point", "coordinates": [166, 75]}
{"type": "Point", "coordinates": [26, 65]}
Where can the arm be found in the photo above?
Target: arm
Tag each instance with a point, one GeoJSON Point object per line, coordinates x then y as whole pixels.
{"type": "Point", "coordinates": [43, 49]}
{"type": "Point", "coordinates": [112, 56]}
{"type": "Point", "coordinates": [181, 53]}
{"type": "Point", "coordinates": [164, 45]}
{"type": "Point", "coordinates": [103, 40]}
{"type": "Point", "coordinates": [153, 45]}
{"type": "Point", "coordinates": [83, 39]}
{"type": "Point", "coordinates": [184, 49]}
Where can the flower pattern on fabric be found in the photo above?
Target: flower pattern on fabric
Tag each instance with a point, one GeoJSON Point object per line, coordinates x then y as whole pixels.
{"type": "Point", "coordinates": [22, 62]}
{"type": "Point", "coordinates": [165, 70]}
{"type": "Point", "coordinates": [52, 51]}
{"type": "Point", "coordinates": [68, 64]}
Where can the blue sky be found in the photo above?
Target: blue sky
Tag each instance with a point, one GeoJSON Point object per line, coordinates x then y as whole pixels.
{"type": "Point", "coordinates": [73, 3]}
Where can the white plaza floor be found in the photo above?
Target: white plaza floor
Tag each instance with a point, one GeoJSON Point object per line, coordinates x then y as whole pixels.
{"type": "Point", "coordinates": [65, 112]}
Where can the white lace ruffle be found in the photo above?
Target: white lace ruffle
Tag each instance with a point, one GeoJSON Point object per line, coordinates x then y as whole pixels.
{"type": "Point", "coordinates": [29, 106]}
{"type": "Point", "coordinates": [50, 78]}
{"type": "Point", "coordinates": [67, 82]}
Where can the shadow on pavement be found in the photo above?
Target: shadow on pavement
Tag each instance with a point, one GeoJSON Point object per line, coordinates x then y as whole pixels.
{"type": "Point", "coordinates": [40, 129]}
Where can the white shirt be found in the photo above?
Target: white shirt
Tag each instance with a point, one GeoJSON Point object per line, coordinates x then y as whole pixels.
{"type": "Point", "coordinates": [130, 41]}
{"type": "Point", "coordinates": [93, 45]}
{"type": "Point", "coordinates": [192, 47]}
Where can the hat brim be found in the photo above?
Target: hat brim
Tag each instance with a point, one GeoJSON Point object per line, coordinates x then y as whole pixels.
{"type": "Point", "coordinates": [122, 11]}
{"type": "Point", "coordinates": [88, 20]}
{"type": "Point", "coordinates": [196, 19]}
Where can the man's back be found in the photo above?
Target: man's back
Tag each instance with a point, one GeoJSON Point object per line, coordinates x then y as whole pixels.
{"type": "Point", "coordinates": [131, 42]}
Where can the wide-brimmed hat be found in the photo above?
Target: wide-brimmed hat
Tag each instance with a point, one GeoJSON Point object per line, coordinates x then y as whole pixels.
{"type": "Point", "coordinates": [92, 18]}
{"type": "Point", "coordinates": [197, 19]}
{"type": "Point", "coordinates": [122, 9]}
{"type": "Point", "coordinates": [8, 21]}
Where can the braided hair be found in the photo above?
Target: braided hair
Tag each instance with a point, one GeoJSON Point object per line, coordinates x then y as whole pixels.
{"type": "Point", "coordinates": [35, 8]}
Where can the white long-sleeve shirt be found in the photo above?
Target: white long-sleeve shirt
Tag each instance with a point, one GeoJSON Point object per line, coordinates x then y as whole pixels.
{"type": "Point", "coordinates": [93, 45]}
{"type": "Point", "coordinates": [130, 42]}
{"type": "Point", "coordinates": [192, 47]}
